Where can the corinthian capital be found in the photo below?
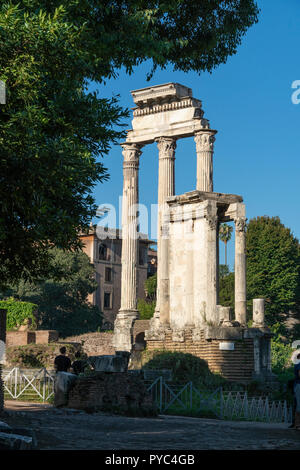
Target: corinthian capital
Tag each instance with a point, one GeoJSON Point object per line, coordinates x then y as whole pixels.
{"type": "Point", "coordinates": [205, 141]}
{"type": "Point", "coordinates": [166, 147]}
{"type": "Point", "coordinates": [240, 224]}
{"type": "Point", "coordinates": [131, 153]}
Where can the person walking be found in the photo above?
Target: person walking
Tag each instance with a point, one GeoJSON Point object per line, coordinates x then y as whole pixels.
{"type": "Point", "coordinates": [62, 363]}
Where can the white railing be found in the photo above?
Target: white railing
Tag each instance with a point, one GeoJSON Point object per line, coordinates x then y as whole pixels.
{"type": "Point", "coordinates": [28, 384]}
{"type": "Point", "coordinates": [174, 398]}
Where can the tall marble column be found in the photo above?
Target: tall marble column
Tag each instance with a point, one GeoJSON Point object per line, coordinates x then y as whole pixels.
{"type": "Point", "coordinates": [128, 311]}
{"type": "Point", "coordinates": [240, 270]}
{"type": "Point", "coordinates": [211, 263]}
{"type": "Point", "coordinates": [205, 147]}
{"type": "Point", "coordinates": [166, 187]}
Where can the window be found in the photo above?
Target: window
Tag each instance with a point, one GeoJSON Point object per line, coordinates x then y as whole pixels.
{"type": "Point", "coordinates": [108, 274]}
{"type": "Point", "coordinates": [141, 256]}
{"type": "Point", "coordinates": [103, 252]}
{"type": "Point", "coordinates": [107, 300]}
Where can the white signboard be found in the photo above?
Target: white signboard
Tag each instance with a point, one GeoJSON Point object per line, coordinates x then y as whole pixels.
{"type": "Point", "coordinates": [226, 346]}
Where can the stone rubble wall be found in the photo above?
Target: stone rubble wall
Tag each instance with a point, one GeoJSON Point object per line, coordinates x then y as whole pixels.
{"type": "Point", "coordinates": [100, 343]}
{"type": "Point", "coordinates": [94, 344]}
{"type": "Point", "coordinates": [236, 365]}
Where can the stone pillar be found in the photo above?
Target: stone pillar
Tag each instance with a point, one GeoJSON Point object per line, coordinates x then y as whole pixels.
{"type": "Point", "coordinates": [166, 188]}
{"type": "Point", "coordinates": [212, 314]}
{"type": "Point", "coordinates": [204, 147]}
{"type": "Point", "coordinates": [128, 311]}
{"type": "Point", "coordinates": [258, 312]}
{"type": "Point", "coordinates": [240, 270]}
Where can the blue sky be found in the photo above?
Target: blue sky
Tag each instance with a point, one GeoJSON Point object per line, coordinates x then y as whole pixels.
{"type": "Point", "coordinates": [248, 100]}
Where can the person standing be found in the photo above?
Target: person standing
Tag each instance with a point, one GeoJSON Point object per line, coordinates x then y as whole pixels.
{"type": "Point", "coordinates": [297, 393]}
{"type": "Point", "coordinates": [62, 363]}
{"type": "Point", "coordinates": [78, 365]}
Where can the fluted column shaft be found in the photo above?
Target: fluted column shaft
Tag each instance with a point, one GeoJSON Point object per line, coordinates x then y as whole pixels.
{"type": "Point", "coordinates": [240, 270]}
{"type": "Point", "coordinates": [204, 147]}
{"type": "Point", "coordinates": [131, 153]}
{"type": "Point", "coordinates": [166, 188]}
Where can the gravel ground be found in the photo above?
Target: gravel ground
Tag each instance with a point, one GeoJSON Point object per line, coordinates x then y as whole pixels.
{"type": "Point", "coordinates": [63, 429]}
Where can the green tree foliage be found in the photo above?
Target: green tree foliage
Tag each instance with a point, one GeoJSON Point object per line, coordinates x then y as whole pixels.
{"type": "Point", "coordinates": [18, 312]}
{"type": "Point", "coordinates": [53, 130]}
{"type": "Point", "coordinates": [62, 298]}
{"type": "Point", "coordinates": [146, 307]}
{"type": "Point", "coordinates": [226, 288]}
{"type": "Point", "coordinates": [51, 133]}
{"type": "Point", "coordinates": [273, 266]}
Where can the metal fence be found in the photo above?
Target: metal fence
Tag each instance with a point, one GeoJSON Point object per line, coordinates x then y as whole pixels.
{"type": "Point", "coordinates": [187, 399]}
{"type": "Point", "coordinates": [28, 384]}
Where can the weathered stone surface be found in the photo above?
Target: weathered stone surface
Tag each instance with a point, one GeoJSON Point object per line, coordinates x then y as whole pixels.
{"type": "Point", "coordinates": [117, 363]}
{"type": "Point", "coordinates": [15, 442]}
{"type": "Point", "coordinates": [4, 427]}
{"type": "Point", "coordinates": [62, 384]}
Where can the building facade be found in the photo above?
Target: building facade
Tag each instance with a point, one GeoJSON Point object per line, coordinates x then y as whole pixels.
{"type": "Point", "coordinates": [105, 254]}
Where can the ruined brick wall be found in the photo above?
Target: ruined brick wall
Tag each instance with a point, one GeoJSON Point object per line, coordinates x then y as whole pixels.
{"type": "Point", "coordinates": [19, 338]}
{"type": "Point", "coordinates": [119, 391]}
{"type": "Point", "coordinates": [2, 338]}
{"type": "Point", "coordinates": [94, 344]}
{"type": "Point", "coordinates": [236, 365]}
{"type": "Point", "coordinates": [140, 326]}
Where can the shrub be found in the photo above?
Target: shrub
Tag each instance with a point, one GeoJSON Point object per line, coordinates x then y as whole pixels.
{"type": "Point", "coordinates": [185, 367]}
{"type": "Point", "coordinates": [146, 309]}
{"type": "Point", "coordinates": [18, 312]}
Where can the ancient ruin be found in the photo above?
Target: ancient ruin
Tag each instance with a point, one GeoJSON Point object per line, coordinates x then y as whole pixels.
{"type": "Point", "coordinates": [188, 316]}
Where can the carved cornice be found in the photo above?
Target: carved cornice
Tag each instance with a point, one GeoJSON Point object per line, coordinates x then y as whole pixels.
{"type": "Point", "coordinates": [173, 105]}
{"type": "Point", "coordinates": [205, 141]}
{"type": "Point", "coordinates": [166, 147]}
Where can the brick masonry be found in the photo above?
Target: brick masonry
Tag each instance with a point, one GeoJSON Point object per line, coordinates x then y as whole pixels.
{"type": "Point", "coordinates": [236, 365]}
{"type": "Point", "coordinates": [117, 391]}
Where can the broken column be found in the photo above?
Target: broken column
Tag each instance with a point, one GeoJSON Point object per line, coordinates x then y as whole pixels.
{"type": "Point", "coordinates": [258, 312]}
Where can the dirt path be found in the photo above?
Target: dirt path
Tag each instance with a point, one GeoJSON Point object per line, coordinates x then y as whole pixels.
{"type": "Point", "coordinates": [71, 429]}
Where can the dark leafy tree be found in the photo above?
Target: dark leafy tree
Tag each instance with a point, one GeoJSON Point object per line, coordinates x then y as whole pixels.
{"type": "Point", "coordinates": [62, 299]}
{"type": "Point", "coordinates": [273, 266]}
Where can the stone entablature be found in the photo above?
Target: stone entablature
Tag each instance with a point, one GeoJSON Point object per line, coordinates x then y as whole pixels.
{"type": "Point", "coordinates": [166, 111]}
